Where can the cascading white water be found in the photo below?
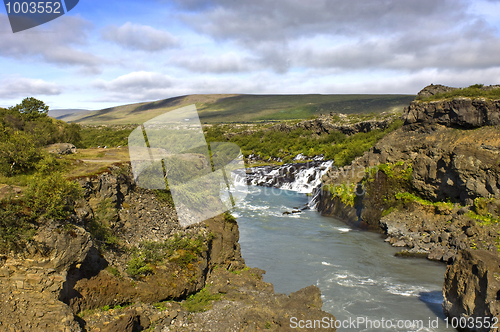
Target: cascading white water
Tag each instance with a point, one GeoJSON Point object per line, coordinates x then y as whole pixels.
{"type": "Point", "coordinates": [298, 177]}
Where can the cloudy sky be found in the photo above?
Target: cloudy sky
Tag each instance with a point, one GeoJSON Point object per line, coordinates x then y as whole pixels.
{"type": "Point", "coordinates": [107, 53]}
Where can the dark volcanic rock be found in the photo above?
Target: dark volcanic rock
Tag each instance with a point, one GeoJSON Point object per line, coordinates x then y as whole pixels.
{"type": "Point", "coordinates": [472, 287]}
{"type": "Point", "coordinates": [460, 112]}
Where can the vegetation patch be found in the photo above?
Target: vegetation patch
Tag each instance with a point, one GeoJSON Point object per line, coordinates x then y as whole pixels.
{"type": "Point", "coordinates": [408, 197]}
{"type": "Point", "coordinates": [228, 217]}
{"type": "Point", "coordinates": [248, 108]}
{"type": "Point", "coordinates": [100, 228]}
{"type": "Point", "coordinates": [345, 191]}
{"type": "Point", "coordinates": [179, 250]}
{"type": "Point", "coordinates": [164, 196]}
{"type": "Point", "coordinates": [286, 145]}
{"type": "Point", "coordinates": [101, 136]}
{"type": "Point", "coordinates": [201, 301]}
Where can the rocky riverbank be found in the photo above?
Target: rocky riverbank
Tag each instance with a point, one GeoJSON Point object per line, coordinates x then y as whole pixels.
{"type": "Point", "coordinates": [123, 263]}
{"type": "Point", "coordinates": [432, 187]}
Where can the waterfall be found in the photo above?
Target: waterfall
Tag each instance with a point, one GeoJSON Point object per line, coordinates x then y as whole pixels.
{"type": "Point", "coordinates": [300, 177]}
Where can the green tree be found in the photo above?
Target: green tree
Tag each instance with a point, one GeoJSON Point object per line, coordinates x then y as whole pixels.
{"type": "Point", "coordinates": [31, 108]}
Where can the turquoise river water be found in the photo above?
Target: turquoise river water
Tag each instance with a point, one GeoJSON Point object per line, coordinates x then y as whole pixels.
{"type": "Point", "coordinates": [362, 283]}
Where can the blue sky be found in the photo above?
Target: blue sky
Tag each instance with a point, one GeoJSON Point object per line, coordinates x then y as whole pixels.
{"type": "Point", "coordinates": [107, 53]}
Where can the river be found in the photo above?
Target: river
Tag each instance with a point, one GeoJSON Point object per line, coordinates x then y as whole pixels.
{"type": "Point", "coordinates": [359, 277]}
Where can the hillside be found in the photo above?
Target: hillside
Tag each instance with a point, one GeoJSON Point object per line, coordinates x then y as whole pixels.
{"type": "Point", "coordinates": [247, 108]}
{"type": "Point", "coordinates": [60, 113]}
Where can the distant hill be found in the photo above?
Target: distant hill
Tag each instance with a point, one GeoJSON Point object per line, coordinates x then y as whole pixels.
{"type": "Point", "coordinates": [60, 113]}
{"type": "Point", "coordinates": [246, 108]}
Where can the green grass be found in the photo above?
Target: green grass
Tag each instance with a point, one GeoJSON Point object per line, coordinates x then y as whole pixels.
{"type": "Point", "coordinates": [247, 108]}
{"type": "Point", "coordinates": [473, 91]}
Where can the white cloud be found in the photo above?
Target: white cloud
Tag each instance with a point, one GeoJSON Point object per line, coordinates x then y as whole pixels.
{"type": "Point", "coordinates": [21, 87]}
{"type": "Point", "coordinates": [53, 44]}
{"type": "Point", "coordinates": [139, 37]}
{"type": "Point", "coordinates": [408, 35]}
{"type": "Point", "coordinates": [140, 85]}
{"type": "Point", "coordinates": [229, 62]}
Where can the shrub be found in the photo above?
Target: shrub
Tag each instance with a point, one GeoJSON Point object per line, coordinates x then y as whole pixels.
{"type": "Point", "coordinates": [51, 196]}
{"type": "Point", "coordinates": [15, 225]}
{"type": "Point", "coordinates": [18, 153]}
{"type": "Point", "coordinates": [138, 266]}
{"type": "Point", "coordinates": [102, 136]}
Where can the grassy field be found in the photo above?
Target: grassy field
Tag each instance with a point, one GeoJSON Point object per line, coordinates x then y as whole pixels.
{"type": "Point", "coordinates": [247, 108]}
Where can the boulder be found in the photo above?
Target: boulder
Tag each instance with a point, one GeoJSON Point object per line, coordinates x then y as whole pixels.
{"type": "Point", "coordinates": [61, 148]}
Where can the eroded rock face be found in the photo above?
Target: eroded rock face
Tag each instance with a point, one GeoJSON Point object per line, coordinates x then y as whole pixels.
{"type": "Point", "coordinates": [459, 112]}
{"type": "Point", "coordinates": [31, 284]}
{"type": "Point", "coordinates": [460, 165]}
{"type": "Point", "coordinates": [471, 287]}
{"type": "Point", "coordinates": [246, 303]}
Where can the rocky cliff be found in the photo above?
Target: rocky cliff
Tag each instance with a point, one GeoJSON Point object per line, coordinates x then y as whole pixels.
{"type": "Point", "coordinates": [460, 112]}
{"type": "Point", "coordinates": [433, 187]}
{"type": "Point", "coordinates": [123, 263]}
{"type": "Point", "coordinates": [471, 289]}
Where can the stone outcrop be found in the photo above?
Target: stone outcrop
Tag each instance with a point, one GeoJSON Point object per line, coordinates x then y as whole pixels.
{"type": "Point", "coordinates": [247, 303]}
{"type": "Point", "coordinates": [432, 90]}
{"type": "Point", "coordinates": [459, 112]}
{"type": "Point", "coordinates": [447, 164]}
{"type": "Point", "coordinates": [327, 124]}
{"type": "Point", "coordinates": [471, 288]}
{"type": "Point", "coordinates": [61, 148]}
